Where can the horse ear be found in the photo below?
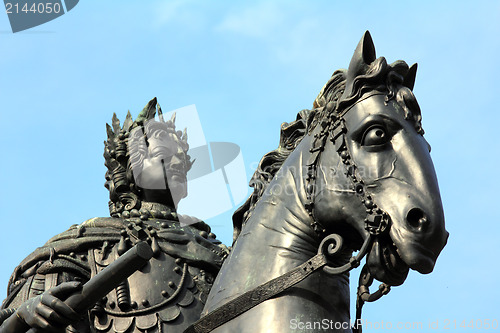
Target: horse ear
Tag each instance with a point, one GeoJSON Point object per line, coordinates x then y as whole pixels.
{"type": "Point", "coordinates": [410, 76]}
{"type": "Point", "coordinates": [367, 48]}
{"type": "Point", "coordinates": [363, 56]}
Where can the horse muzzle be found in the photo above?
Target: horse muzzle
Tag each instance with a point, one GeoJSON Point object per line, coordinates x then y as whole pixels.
{"type": "Point", "coordinates": [413, 242]}
{"type": "Point", "coordinates": [419, 239]}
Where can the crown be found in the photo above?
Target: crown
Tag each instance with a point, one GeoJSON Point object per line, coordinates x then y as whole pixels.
{"type": "Point", "coordinates": [116, 145]}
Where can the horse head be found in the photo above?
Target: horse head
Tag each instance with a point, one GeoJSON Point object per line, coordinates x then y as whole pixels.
{"type": "Point", "coordinates": [370, 173]}
{"type": "Point", "coordinates": [354, 173]}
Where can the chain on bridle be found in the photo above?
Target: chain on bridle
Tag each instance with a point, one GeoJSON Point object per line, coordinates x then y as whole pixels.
{"type": "Point", "coordinates": [376, 222]}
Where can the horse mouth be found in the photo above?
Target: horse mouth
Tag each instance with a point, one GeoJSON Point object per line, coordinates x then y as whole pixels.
{"type": "Point", "coordinates": [385, 264]}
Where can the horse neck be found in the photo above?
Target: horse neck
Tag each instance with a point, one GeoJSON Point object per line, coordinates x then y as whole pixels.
{"type": "Point", "coordinates": [277, 238]}
{"type": "Point", "coordinates": [280, 222]}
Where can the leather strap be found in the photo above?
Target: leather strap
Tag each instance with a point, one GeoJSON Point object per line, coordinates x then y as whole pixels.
{"type": "Point", "coordinates": [251, 298]}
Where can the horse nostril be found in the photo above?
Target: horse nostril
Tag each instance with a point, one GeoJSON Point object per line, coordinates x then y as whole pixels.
{"type": "Point", "coordinates": [417, 219]}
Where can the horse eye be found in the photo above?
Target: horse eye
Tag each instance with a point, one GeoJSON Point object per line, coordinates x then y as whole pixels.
{"type": "Point", "coordinates": [374, 136]}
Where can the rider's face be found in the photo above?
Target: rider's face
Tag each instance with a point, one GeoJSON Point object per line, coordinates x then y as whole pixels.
{"type": "Point", "coordinates": [164, 166]}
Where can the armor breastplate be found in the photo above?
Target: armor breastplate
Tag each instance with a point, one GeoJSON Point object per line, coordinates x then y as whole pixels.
{"type": "Point", "coordinates": [165, 295]}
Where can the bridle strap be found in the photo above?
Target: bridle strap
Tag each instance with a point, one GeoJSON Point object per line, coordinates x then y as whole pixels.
{"type": "Point", "coordinates": [254, 297]}
{"type": "Point", "coordinates": [332, 128]}
{"type": "Point", "coordinates": [329, 247]}
{"type": "Point", "coordinates": [377, 221]}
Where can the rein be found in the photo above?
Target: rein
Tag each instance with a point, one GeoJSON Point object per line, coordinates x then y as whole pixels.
{"type": "Point", "coordinates": [376, 222]}
{"type": "Point", "coordinates": [328, 248]}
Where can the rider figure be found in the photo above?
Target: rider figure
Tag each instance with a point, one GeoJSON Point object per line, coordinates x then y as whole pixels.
{"type": "Point", "coordinates": [147, 164]}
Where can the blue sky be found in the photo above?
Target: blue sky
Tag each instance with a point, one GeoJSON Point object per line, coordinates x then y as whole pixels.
{"type": "Point", "coordinates": [248, 67]}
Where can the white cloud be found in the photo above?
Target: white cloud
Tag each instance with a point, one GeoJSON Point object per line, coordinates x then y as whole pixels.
{"type": "Point", "coordinates": [184, 13]}
{"type": "Point", "coordinates": [292, 32]}
{"type": "Point", "coordinates": [261, 20]}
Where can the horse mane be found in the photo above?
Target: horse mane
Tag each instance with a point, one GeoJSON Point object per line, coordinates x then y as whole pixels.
{"type": "Point", "coordinates": [379, 76]}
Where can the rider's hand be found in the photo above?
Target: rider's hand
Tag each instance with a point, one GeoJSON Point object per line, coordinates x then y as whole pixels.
{"type": "Point", "coordinates": [47, 311]}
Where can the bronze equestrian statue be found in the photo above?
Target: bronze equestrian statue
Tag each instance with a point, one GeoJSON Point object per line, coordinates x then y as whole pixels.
{"type": "Point", "coordinates": [147, 163]}
{"type": "Point", "coordinates": [352, 174]}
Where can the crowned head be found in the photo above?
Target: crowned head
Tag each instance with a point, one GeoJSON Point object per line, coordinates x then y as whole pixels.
{"type": "Point", "coordinates": [147, 162]}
